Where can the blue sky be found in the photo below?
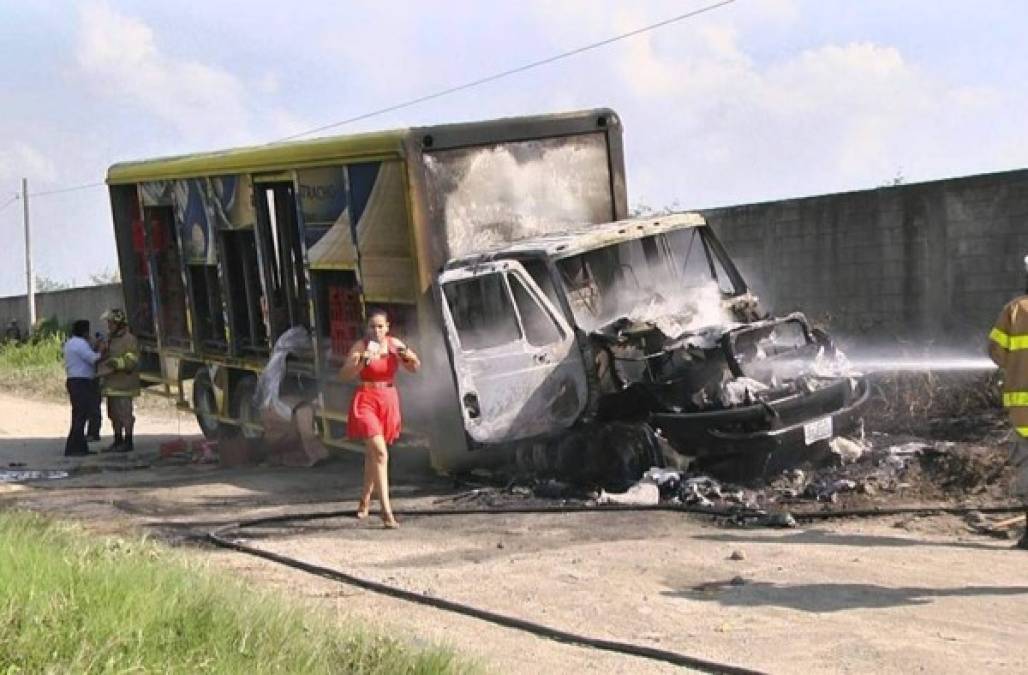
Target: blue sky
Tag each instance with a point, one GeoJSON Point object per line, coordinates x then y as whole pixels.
{"type": "Point", "coordinates": [761, 99]}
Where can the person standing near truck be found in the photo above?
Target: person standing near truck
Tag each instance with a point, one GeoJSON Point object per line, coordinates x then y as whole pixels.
{"type": "Point", "coordinates": [120, 378]}
{"type": "Point", "coordinates": [374, 415]}
{"type": "Point", "coordinates": [80, 367]}
{"type": "Point", "coordinates": [1008, 348]}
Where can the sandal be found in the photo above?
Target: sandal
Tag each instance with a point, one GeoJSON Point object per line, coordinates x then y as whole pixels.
{"type": "Point", "coordinates": [390, 523]}
{"type": "Point", "coordinates": [362, 511]}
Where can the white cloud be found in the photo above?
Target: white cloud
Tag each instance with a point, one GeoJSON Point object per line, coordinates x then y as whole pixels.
{"type": "Point", "coordinates": [826, 118]}
{"type": "Point", "coordinates": [23, 160]}
{"type": "Point", "coordinates": [121, 56]}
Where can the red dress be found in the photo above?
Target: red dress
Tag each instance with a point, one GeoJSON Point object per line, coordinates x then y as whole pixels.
{"type": "Point", "coordinates": [376, 410]}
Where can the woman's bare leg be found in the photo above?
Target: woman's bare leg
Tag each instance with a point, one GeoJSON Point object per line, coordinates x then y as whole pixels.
{"type": "Point", "coordinates": [368, 484]}
{"type": "Point", "coordinates": [381, 478]}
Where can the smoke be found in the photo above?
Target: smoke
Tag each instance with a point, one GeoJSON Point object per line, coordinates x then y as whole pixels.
{"type": "Point", "coordinates": [687, 311]}
{"type": "Point", "coordinates": [501, 194]}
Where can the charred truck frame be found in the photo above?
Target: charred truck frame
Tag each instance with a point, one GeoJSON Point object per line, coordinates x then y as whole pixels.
{"type": "Point", "coordinates": [553, 332]}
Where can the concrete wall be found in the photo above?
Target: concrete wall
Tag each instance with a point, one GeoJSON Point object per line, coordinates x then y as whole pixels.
{"type": "Point", "coordinates": [927, 262]}
{"type": "Point", "coordinates": [87, 302]}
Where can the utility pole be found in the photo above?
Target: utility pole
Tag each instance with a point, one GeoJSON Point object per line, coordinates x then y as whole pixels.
{"type": "Point", "coordinates": [30, 282]}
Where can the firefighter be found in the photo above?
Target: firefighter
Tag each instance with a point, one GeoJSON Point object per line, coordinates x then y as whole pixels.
{"type": "Point", "coordinates": [1008, 348]}
{"type": "Point", "coordinates": [120, 378]}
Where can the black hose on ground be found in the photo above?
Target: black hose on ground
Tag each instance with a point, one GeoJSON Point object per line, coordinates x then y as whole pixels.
{"type": "Point", "coordinates": [218, 538]}
{"type": "Point", "coordinates": [538, 629]}
{"type": "Point", "coordinates": [740, 512]}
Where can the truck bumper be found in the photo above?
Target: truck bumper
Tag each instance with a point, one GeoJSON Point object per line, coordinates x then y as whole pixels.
{"type": "Point", "coordinates": [759, 441]}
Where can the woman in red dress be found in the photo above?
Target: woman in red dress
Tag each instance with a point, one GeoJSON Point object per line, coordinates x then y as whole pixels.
{"type": "Point", "coordinates": [374, 415]}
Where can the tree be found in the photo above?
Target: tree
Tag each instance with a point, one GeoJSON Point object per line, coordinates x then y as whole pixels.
{"type": "Point", "coordinates": [46, 284]}
{"type": "Point", "coordinates": [644, 210]}
{"type": "Point", "coordinates": [106, 276]}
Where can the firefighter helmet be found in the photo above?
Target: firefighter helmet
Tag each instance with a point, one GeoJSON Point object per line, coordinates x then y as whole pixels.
{"type": "Point", "coordinates": [115, 316]}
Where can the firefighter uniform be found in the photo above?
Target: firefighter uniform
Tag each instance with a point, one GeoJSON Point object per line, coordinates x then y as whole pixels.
{"type": "Point", "coordinates": [119, 371]}
{"type": "Point", "coordinates": [1008, 348]}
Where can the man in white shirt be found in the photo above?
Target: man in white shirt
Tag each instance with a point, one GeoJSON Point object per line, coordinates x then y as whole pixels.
{"type": "Point", "coordinates": [80, 367]}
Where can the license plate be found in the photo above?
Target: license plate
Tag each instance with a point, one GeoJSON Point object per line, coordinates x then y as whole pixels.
{"type": "Point", "coordinates": [818, 430]}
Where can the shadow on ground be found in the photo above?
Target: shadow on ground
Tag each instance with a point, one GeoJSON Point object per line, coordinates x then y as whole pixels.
{"type": "Point", "coordinates": [141, 483]}
{"type": "Point", "coordinates": [819, 598]}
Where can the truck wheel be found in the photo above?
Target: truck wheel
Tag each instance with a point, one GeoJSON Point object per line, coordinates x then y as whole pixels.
{"type": "Point", "coordinates": [534, 459]}
{"type": "Point", "coordinates": [245, 408]}
{"type": "Point", "coordinates": [626, 451]}
{"type": "Point", "coordinates": [205, 405]}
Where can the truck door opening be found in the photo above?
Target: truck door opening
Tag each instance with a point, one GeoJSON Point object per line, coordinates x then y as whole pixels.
{"type": "Point", "coordinates": [170, 289]}
{"type": "Point", "coordinates": [249, 331]}
{"type": "Point", "coordinates": [281, 253]}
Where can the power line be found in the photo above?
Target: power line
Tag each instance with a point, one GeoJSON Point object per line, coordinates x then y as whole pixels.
{"type": "Point", "coordinates": [9, 202]}
{"type": "Point", "coordinates": [450, 90]}
{"type": "Point", "coordinates": [512, 71]}
{"type": "Point", "coordinates": [67, 189]}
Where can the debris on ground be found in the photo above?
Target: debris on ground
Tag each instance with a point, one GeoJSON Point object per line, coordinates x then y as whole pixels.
{"type": "Point", "coordinates": [23, 475]}
{"type": "Point", "coordinates": [929, 439]}
{"type": "Point", "coordinates": [848, 451]}
{"type": "Point", "coordinates": [643, 493]}
{"type": "Point", "coordinates": [198, 451]}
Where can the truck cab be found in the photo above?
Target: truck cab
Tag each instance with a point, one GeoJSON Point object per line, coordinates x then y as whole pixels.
{"type": "Point", "coordinates": [640, 330]}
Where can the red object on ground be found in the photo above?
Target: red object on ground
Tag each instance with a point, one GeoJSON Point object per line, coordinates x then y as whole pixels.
{"type": "Point", "coordinates": [172, 448]}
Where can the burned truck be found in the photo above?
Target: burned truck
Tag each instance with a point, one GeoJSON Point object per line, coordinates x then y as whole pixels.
{"type": "Point", "coordinates": [607, 349]}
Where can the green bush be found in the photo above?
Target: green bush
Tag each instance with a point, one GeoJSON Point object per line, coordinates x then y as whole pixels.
{"type": "Point", "coordinates": [35, 366]}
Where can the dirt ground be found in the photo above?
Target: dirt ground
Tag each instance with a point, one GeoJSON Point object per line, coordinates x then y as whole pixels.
{"type": "Point", "coordinates": [888, 594]}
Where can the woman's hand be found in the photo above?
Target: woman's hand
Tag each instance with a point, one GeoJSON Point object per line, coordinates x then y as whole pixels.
{"type": "Point", "coordinates": [355, 360]}
{"type": "Point", "coordinates": [410, 360]}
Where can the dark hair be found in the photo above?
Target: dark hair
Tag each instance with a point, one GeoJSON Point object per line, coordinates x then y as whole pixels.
{"type": "Point", "coordinates": [378, 311]}
{"type": "Point", "coordinates": [80, 328]}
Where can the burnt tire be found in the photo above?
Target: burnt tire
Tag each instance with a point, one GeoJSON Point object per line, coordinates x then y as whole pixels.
{"type": "Point", "coordinates": [205, 405]}
{"type": "Point", "coordinates": [536, 459]}
{"type": "Point", "coordinates": [623, 452]}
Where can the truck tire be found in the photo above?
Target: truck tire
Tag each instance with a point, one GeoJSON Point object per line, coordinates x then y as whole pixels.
{"type": "Point", "coordinates": [205, 405]}
{"type": "Point", "coordinates": [623, 452]}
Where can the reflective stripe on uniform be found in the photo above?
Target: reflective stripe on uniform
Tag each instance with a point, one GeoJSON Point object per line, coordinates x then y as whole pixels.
{"type": "Point", "coordinates": [1009, 342]}
{"type": "Point", "coordinates": [1013, 399]}
{"type": "Point", "coordinates": [1023, 431]}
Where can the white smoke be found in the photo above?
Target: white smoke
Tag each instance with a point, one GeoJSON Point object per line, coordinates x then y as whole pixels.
{"type": "Point", "coordinates": [516, 191]}
{"type": "Point", "coordinates": [691, 310]}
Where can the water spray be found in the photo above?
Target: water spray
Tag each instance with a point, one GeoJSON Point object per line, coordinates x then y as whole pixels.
{"type": "Point", "coordinates": [923, 364]}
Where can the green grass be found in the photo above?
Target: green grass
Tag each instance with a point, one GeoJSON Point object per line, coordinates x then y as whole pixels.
{"type": "Point", "coordinates": [36, 366]}
{"type": "Point", "coordinates": [75, 602]}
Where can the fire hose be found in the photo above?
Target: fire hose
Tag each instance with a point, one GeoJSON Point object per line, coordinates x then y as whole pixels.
{"type": "Point", "coordinates": [221, 537]}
